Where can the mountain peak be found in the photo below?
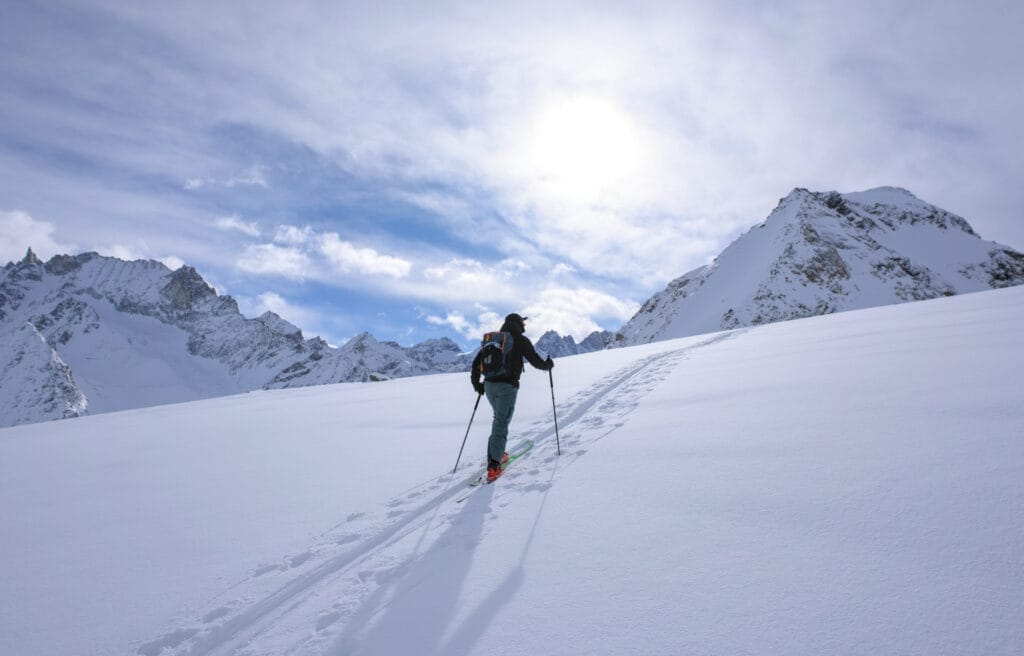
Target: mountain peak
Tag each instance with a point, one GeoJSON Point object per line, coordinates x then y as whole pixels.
{"type": "Point", "coordinates": [186, 287]}
{"type": "Point", "coordinates": [30, 259]}
{"type": "Point", "coordinates": [825, 252]}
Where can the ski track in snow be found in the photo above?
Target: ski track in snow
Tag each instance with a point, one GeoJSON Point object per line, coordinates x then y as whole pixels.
{"type": "Point", "coordinates": [276, 602]}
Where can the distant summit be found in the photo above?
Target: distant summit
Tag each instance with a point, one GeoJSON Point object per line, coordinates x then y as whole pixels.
{"type": "Point", "coordinates": [88, 333]}
{"type": "Point", "coordinates": [554, 345]}
{"type": "Point", "coordinates": [824, 252]}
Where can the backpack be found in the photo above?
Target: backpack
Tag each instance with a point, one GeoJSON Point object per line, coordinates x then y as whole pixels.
{"type": "Point", "coordinates": [494, 350]}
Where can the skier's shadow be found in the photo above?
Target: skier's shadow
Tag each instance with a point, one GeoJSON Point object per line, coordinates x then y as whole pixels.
{"type": "Point", "coordinates": [410, 612]}
{"type": "Point", "coordinates": [475, 625]}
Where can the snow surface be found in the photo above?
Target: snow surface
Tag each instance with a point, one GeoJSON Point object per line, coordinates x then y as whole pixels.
{"type": "Point", "coordinates": [845, 484]}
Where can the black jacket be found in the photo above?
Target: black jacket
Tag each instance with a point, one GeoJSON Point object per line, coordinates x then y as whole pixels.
{"type": "Point", "coordinates": [522, 347]}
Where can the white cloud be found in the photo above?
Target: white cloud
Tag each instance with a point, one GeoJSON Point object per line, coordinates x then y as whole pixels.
{"type": "Point", "coordinates": [347, 257]}
{"type": "Point", "coordinates": [294, 235]}
{"type": "Point", "coordinates": [572, 311]}
{"type": "Point", "coordinates": [275, 260]}
{"type": "Point", "coordinates": [512, 267]}
{"type": "Point", "coordinates": [251, 177]}
{"type": "Point", "coordinates": [172, 262]}
{"type": "Point", "coordinates": [19, 232]}
{"type": "Point", "coordinates": [302, 252]}
{"type": "Point", "coordinates": [234, 222]}
{"type": "Point", "coordinates": [470, 329]}
{"type": "Point", "coordinates": [460, 272]}
{"type": "Point", "coordinates": [270, 301]}
{"type": "Point", "coordinates": [567, 310]}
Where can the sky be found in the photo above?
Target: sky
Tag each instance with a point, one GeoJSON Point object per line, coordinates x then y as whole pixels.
{"type": "Point", "coordinates": [418, 170]}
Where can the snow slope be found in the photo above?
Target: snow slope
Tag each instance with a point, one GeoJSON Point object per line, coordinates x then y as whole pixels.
{"type": "Point", "coordinates": [850, 483]}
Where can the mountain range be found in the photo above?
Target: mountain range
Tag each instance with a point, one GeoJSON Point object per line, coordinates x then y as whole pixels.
{"type": "Point", "coordinates": [90, 334]}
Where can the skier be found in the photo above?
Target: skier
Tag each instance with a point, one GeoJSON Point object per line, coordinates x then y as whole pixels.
{"type": "Point", "coordinates": [502, 390]}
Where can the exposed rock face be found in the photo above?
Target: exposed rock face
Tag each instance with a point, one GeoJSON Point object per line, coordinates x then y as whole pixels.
{"type": "Point", "coordinates": [35, 384]}
{"type": "Point", "coordinates": [827, 252]}
{"type": "Point", "coordinates": [553, 344]}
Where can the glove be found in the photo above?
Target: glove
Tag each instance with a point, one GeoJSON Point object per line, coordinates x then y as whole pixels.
{"type": "Point", "coordinates": [550, 363]}
{"type": "Point", "coordinates": [478, 386]}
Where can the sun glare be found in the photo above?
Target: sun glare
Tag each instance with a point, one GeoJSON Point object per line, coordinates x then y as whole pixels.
{"type": "Point", "coordinates": [584, 146]}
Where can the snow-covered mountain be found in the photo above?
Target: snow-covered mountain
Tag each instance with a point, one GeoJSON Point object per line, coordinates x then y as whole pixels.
{"type": "Point", "coordinates": [819, 253]}
{"type": "Point", "coordinates": [93, 334]}
{"type": "Point", "coordinates": [557, 346]}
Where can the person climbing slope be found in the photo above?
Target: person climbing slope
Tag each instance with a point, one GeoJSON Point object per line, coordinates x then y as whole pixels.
{"type": "Point", "coordinates": [500, 363]}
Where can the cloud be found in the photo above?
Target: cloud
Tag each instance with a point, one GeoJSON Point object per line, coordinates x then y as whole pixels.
{"type": "Point", "coordinates": [19, 232]}
{"type": "Point", "coordinates": [275, 260]}
{"type": "Point", "coordinates": [470, 329]}
{"type": "Point", "coordinates": [172, 262]}
{"type": "Point", "coordinates": [346, 257]}
{"type": "Point", "coordinates": [304, 253]}
{"type": "Point", "coordinates": [251, 177]}
{"type": "Point", "coordinates": [271, 301]}
{"type": "Point", "coordinates": [572, 311]}
{"type": "Point", "coordinates": [460, 272]}
{"type": "Point", "coordinates": [234, 222]}
{"type": "Point", "coordinates": [293, 235]}
{"type": "Point", "coordinates": [567, 310]}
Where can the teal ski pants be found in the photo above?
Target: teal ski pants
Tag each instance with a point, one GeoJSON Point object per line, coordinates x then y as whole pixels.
{"type": "Point", "coordinates": [502, 397]}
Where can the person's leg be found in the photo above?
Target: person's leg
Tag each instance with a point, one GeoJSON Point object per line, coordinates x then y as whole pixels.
{"type": "Point", "coordinates": [502, 398]}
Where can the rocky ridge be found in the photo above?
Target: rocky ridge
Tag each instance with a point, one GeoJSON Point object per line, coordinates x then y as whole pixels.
{"type": "Point", "coordinates": [92, 333]}
{"type": "Point", "coordinates": [824, 252]}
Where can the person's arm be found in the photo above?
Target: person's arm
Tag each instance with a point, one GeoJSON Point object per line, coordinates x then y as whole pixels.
{"type": "Point", "coordinates": [474, 373]}
{"type": "Point", "coordinates": [531, 355]}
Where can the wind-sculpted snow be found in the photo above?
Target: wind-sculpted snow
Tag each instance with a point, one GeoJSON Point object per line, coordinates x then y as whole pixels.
{"type": "Point", "coordinates": [819, 253]}
{"type": "Point", "coordinates": [134, 334]}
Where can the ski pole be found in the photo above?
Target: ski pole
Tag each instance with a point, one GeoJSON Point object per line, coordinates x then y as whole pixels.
{"type": "Point", "coordinates": [554, 412]}
{"type": "Point", "coordinates": [475, 406]}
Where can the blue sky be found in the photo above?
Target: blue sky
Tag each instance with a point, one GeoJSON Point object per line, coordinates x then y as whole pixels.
{"type": "Point", "coordinates": [421, 169]}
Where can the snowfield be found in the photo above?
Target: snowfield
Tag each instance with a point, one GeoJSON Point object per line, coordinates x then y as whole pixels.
{"type": "Point", "coordinates": [845, 484]}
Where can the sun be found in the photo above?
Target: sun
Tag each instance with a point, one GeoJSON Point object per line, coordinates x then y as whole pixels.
{"type": "Point", "coordinates": [584, 146]}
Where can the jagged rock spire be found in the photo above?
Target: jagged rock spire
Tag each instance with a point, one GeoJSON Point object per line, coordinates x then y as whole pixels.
{"type": "Point", "coordinates": [30, 258]}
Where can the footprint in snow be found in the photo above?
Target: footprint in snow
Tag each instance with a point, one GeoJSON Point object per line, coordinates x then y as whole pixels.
{"type": "Point", "coordinates": [327, 619]}
{"type": "Point", "coordinates": [264, 570]}
{"type": "Point", "coordinates": [169, 641]}
{"type": "Point", "coordinates": [295, 561]}
{"type": "Point", "coordinates": [216, 614]}
{"type": "Point", "coordinates": [348, 538]}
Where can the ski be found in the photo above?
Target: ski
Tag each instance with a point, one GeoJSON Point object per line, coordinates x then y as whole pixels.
{"type": "Point", "coordinates": [512, 457]}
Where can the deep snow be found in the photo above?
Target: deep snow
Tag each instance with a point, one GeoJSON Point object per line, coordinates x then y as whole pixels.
{"type": "Point", "coordinates": [847, 484]}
